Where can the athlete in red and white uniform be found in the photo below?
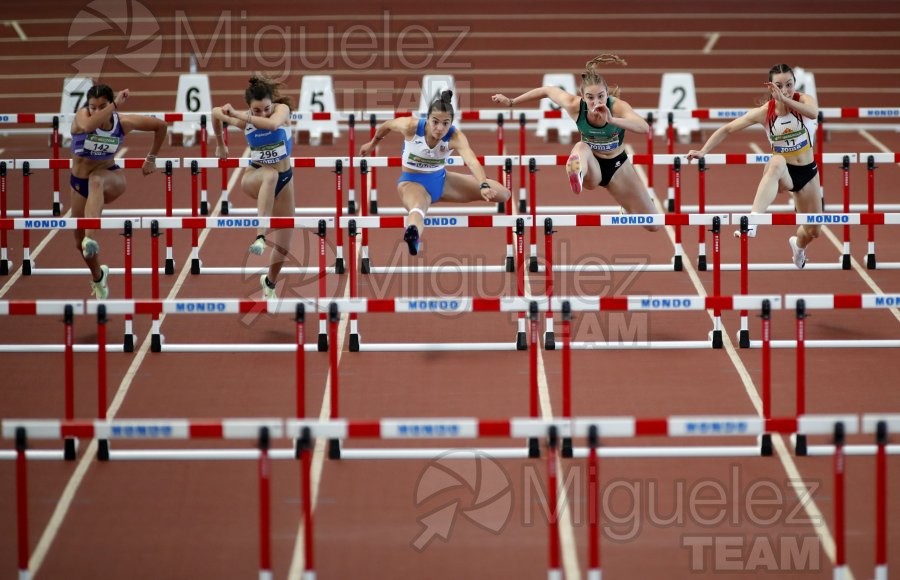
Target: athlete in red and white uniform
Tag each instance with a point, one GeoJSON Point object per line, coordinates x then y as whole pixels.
{"type": "Point", "coordinates": [789, 119]}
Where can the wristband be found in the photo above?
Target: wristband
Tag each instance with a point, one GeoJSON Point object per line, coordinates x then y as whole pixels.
{"type": "Point", "coordinates": [485, 184]}
{"type": "Point", "coordinates": [151, 157]}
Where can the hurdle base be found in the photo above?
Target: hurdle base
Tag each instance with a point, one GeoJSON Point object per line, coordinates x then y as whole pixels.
{"type": "Point", "coordinates": [373, 207]}
{"type": "Point", "coordinates": [801, 449]}
{"type": "Point", "coordinates": [354, 343]}
{"type": "Point", "coordinates": [351, 207]}
{"type": "Point", "coordinates": [510, 264]}
{"type": "Point", "coordinates": [670, 205]}
{"type": "Point", "coordinates": [678, 263]}
{"type": "Point", "coordinates": [501, 207]}
{"type": "Point", "coordinates": [339, 266]}
{"type": "Point", "coordinates": [170, 266]}
{"type": "Point", "coordinates": [717, 339]}
{"type": "Point", "coordinates": [195, 266]}
{"type": "Point", "coordinates": [534, 448]}
{"type": "Point", "coordinates": [204, 208]}
{"type": "Point", "coordinates": [744, 339]}
{"type": "Point", "coordinates": [70, 449]}
{"type": "Point", "coordinates": [156, 343]}
{"type": "Point", "coordinates": [224, 210]}
{"type": "Point", "coordinates": [4, 267]}
{"type": "Point", "coordinates": [365, 267]}
{"type": "Point", "coordinates": [26, 267]}
{"type": "Point", "coordinates": [532, 264]}
{"type": "Point", "coordinates": [521, 343]}
{"type": "Point", "coordinates": [567, 447]}
{"type": "Point", "coordinates": [701, 263]}
{"type": "Point", "coordinates": [765, 445]}
{"type": "Point", "coordinates": [103, 449]}
{"type": "Point", "coordinates": [549, 341]}
{"type": "Point", "coordinates": [523, 206]}
{"type": "Point", "coordinates": [334, 449]}
{"type": "Point", "coordinates": [871, 264]}
{"type": "Point", "coordinates": [322, 345]}
{"type": "Point", "coordinates": [57, 208]}
{"type": "Point", "coordinates": [128, 343]}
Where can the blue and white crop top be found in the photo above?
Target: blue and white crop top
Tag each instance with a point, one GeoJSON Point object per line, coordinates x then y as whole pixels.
{"type": "Point", "coordinates": [99, 144]}
{"type": "Point", "coordinates": [417, 155]}
{"type": "Point", "coordinates": [268, 147]}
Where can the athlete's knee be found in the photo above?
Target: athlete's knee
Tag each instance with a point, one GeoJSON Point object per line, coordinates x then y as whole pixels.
{"type": "Point", "coordinates": [812, 232]}
{"type": "Point", "coordinates": [776, 163]}
{"type": "Point", "coordinates": [652, 228]}
{"type": "Point", "coordinates": [96, 181]}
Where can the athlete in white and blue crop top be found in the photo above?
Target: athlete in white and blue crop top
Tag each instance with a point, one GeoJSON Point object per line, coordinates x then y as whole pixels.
{"type": "Point", "coordinates": [428, 143]}
{"type": "Point", "coordinates": [603, 120]}
{"type": "Point", "coordinates": [269, 179]}
{"type": "Point", "coordinates": [789, 119]}
{"type": "Point", "coordinates": [98, 132]}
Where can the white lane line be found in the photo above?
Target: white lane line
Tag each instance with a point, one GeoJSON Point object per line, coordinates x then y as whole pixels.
{"type": "Point", "coordinates": [298, 561]}
{"type": "Point", "coordinates": [817, 521]}
{"type": "Point", "coordinates": [14, 24]}
{"type": "Point", "coordinates": [711, 42]}
{"type": "Point", "coordinates": [87, 459]}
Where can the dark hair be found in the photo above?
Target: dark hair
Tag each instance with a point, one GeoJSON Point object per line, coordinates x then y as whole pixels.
{"type": "Point", "coordinates": [443, 103]}
{"type": "Point", "coordinates": [779, 69]}
{"type": "Point", "coordinates": [104, 91]}
{"type": "Point", "coordinates": [261, 87]}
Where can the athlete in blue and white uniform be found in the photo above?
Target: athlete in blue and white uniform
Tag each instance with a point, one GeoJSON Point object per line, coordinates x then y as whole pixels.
{"type": "Point", "coordinates": [789, 119]}
{"type": "Point", "coordinates": [603, 119]}
{"type": "Point", "coordinates": [424, 179]}
{"type": "Point", "coordinates": [98, 131]}
{"type": "Point", "coordinates": [269, 179]}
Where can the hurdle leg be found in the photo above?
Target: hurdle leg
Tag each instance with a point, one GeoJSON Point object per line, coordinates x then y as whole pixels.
{"type": "Point", "coordinates": [566, 372]}
{"type": "Point", "coordinates": [717, 282]}
{"type": "Point", "coordinates": [334, 445]}
{"type": "Point", "coordinates": [701, 230]}
{"type": "Point", "coordinates": [195, 210]}
{"type": "Point", "coordinates": [523, 192]}
{"type": "Point", "coordinates": [521, 342]}
{"type": "Point", "coordinates": [554, 571]}
{"type": "Point", "coordinates": [800, 444]}
{"type": "Point", "coordinates": [155, 336]}
{"type": "Point", "coordinates": [365, 267]}
{"type": "Point", "coordinates": [871, 263]}
{"type": "Point", "coordinates": [766, 438]}
{"type": "Point", "coordinates": [351, 146]}
{"type": "Point", "coordinates": [69, 445]}
{"type": "Point", "coordinates": [678, 258]}
{"type": "Point", "coordinates": [338, 211]}
{"type": "Point", "coordinates": [5, 264]}
{"type": "Point", "coordinates": [354, 289]}
{"type": "Point", "coordinates": [204, 137]}
{"type": "Point", "coordinates": [264, 471]}
{"type": "Point", "coordinates": [102, 444]}
{"type": "Point", "coordinates": [881, 439]}
{"type": "Point", "coordinates": [306, 446]}
{"type": "Point", "coordinates": [840, 465]}
{"type": "Point", "coordinates": [744, 336]}
{"type": "Point", "coordinates": [54, 142]}
{"type": "Point", "coordinates": [128, 239]}
{"type": "Point", "coordinates": [845, 258]}
{"type": "Point", "coordinates": [170, 256]}
{"type": "Point", "coordinates": [549, 339]}
{"type": "Point", "coordinates": [22, 504]}
{"type": "Point", "coordinates": [26, 212]}
{"type": "Point", "coordinates": [322, 345]}
{"type": "Point", "coordinates": [533, 447]}
{"type": "Point", "coordinates": [593, 491]}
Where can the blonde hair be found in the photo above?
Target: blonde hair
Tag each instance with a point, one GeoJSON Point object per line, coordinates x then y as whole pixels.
{"type": "Point", "coordinates": [592, 76]}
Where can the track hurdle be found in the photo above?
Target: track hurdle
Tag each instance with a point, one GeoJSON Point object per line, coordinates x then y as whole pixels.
{"type": "Point", "coordinates": [871, 160]}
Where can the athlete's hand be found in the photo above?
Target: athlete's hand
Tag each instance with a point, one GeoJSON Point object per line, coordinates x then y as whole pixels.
{"type": "Point", "coordinates": [222, 151]}
{"type": "Point", "coordinates": [149, 165]}
{"type": "Point", "coordinates": [694, 154]}
{"type": "Point", "coordinates": [775, 92]}
{"type": "Point", "coordinates": [367, 148]}
{"type": "Point", "coordinates": [488, 193]}
{"type": "Point", "coordinates": [121, 97]}
{"type": "Point", "coordinates": [502, 100]}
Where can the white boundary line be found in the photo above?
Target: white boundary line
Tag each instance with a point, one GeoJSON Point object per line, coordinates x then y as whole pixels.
{"type": "Point", "coordinates": [816, 518]}
{"type": "Point", "coordinates": [89, 456]}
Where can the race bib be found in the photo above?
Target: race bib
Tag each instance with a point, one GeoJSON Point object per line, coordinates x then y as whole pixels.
{"type": "Point", "coordinates": [101, 145]}
{"type": "Point", "coordinates": [601, 144]}
{"type": "Point", "coordinates": [271, 153]}
{"type": "Point", "coordinates": [791, 143]}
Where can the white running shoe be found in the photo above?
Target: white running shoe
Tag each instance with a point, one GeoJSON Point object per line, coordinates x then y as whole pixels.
{"type": "Point", "coordinates": [258, 246]}
{"type": "Point", "coordinates": [89, 247]}
{"type": "Point", "coordinates": [751, 231]}
{"type": "Point", "coordinates": [268, 293]}
{"type": "Point", "coordinates": [799, 254]}
{"type": "Point", "coordinates": [573, 169]}
{"type": "Point", "coordinates": [100, 289]}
